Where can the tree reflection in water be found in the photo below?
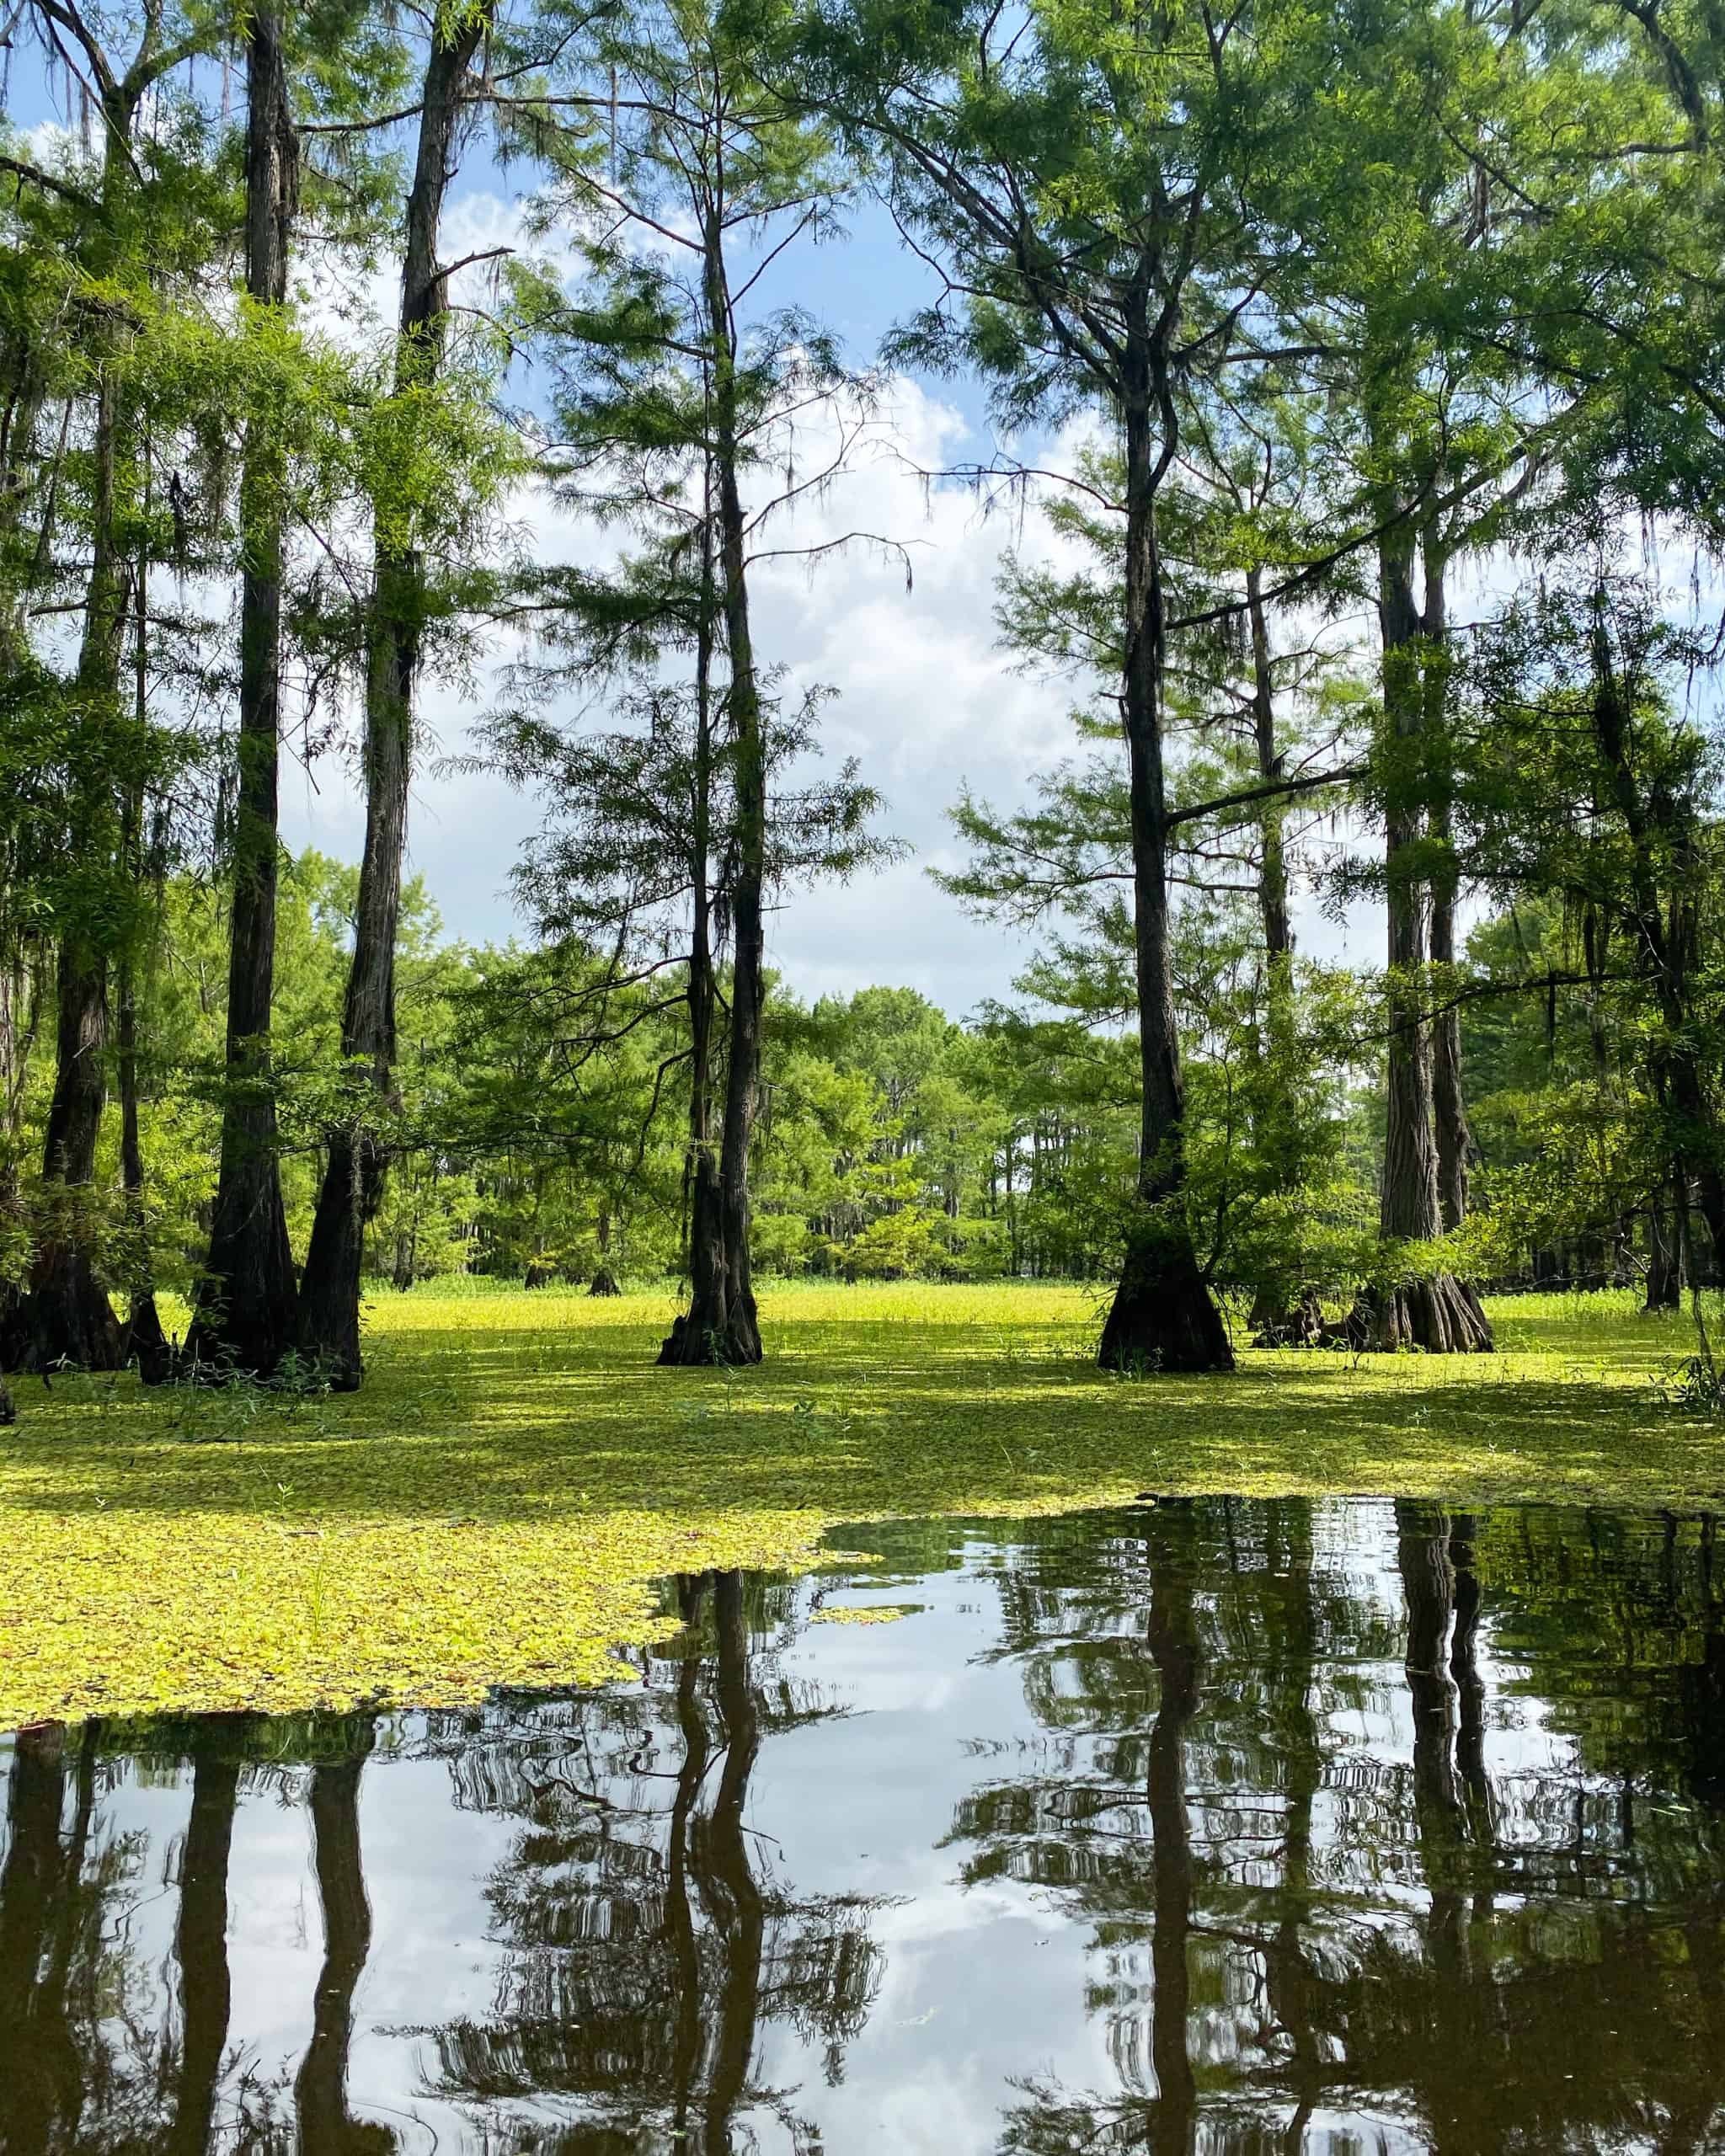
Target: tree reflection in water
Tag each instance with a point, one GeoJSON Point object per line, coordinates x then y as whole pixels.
{"type": "Point", "coordinates": [1372, 1827]}
{"type": "Point", "coordinates": [1364, 1946]}
{"type": "Point", "coordinates": [650, 1940]}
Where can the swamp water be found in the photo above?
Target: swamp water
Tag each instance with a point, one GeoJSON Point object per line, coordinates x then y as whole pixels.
{"type": "Point", "coordinates": [1208, 1826]}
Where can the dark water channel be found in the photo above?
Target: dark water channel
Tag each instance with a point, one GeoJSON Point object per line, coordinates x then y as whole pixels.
{"type": "Point", "coordinates": [1205, 1826]}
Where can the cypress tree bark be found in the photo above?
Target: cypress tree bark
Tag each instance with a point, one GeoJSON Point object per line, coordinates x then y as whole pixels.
{"type": "Point", "coordinates": [1664, 1258]}
{"type": "Point", "coordinates": [328, 1325]}
{"type": "Point", "coordinates": [246, 1302]}
{"type": "Point", "coordinates": [693, 1333]}
{"type": "Point", "coordinates": [1163, 1316]}
{"type": "Point", "coordinates": [1275, 1322]}
{"type": "Point", "coordinates": [1441, 1314]}
{"type": "Point", "coordinates": [721, 1325]}
{"type": "Point", "coordinates": [1657, 830]}
{"type": "Point", "coordinates": [143, 1340]}
{"type": "Point", "coordinates": [70, 1318]}
{"type": "Point", "coordinates": [1455, 1140]}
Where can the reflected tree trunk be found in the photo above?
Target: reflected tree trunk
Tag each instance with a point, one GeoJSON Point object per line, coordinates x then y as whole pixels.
{"type": "Point", "coordinates": [200, 1948]}
{"type": "Point", "coordinates": [1172, 1636]}
{"type": "Point", "coordinates": [41, 1910]}
{"type": "Point", "coordinates": [679, 1907]}
{"type": "Point", "coordinates": [732, 1894]}
{"type": "Point", "coordinates": [1292, 1988]}
{"type": "Point", "coordinates": [320, 2092]}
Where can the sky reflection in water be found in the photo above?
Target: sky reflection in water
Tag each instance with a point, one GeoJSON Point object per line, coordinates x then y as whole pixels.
{"type": "Point", "coordinates": [1214, 1826]}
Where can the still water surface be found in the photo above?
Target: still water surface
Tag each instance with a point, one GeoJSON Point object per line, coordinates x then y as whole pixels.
{"type": "Point", "coordinates": [1215, 1826]}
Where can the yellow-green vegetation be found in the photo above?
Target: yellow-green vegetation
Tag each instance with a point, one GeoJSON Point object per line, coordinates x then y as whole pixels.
{"type": "Point", "coordinates": [496, 1505]}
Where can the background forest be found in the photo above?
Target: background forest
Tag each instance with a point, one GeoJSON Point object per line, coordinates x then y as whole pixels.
{"type": "Point", "coordinates": [1356, 376]}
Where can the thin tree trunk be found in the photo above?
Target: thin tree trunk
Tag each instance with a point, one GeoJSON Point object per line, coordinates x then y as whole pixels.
{"type": "Point", "coordinates": [1294, 1986]}
{"type": "Point", "coordinates": [1664, 1258]}
{"type": "Point", "coordinates": [329, 1317]}
{"type": "Point", "coordinates": [1277, 1320]}
{"type": "Point", "coordinates": [1163, 1316]}
{"type": "Point", "coordinates": [1441, 1314]}
{"type": "Point", "coordinates": [144, 1340]}
{"type": "Point", "coordinates": [246, 1303]}
{"type": "Point", "coordinates": [1172, 1636]}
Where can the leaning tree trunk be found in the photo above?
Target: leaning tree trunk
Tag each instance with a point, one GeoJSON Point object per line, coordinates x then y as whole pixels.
{"type": "Point", "coordinates": [329, 1320]}
{"type": "Point", "coordinates": [246, 1302]}
{"type": "Point", "coordinates": [720, 1326]}
{"type": "Point", "coordinates": [1163, 1316]}
{"type": "Point", "coordinates": [1441, 1315]}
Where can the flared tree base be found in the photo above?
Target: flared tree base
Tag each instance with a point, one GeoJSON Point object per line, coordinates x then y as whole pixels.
{"type": "Point", "coordinates": [712, 1340]}
{"type": "Point", "coordinates": [1440, 1316]}
{"type": "Point", "coordinates": [604, 1283]}
{"type": "Point", "coordinates": [147, 1342]}
{"type": "Point", "coordinates": [71, 1321]}
{"type": "Point", "coordinates": [1164, 1318]}
{"type": "Point", "coordinates": [247, 1346]}
{"type": "Point", "coordinates": [1299, 1324]}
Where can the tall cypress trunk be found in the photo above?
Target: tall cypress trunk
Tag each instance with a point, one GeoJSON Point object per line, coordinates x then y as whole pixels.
{"type": "Point", "coordinates": [1441, 1315]}
{"type": "Point", "coordinates": [1455, 1140]}
{"type": "Point", "coordinates": [721, 1325]}
{"type": "Point", "coordinates": [70, 1318]}
{"type": "Point", "coordinates": [246, 1301]}
{"type": "Point", "coordinates": [706, 1225]}
{"type": "Point", "coordinates": [329, 1318]}
{"type": "Point", "coordinates": [1163, 1316]}
{"type": "Point", "coordinates": [1276, 1320]}
{"type": "Point", "coordinates": [1655, 827]}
